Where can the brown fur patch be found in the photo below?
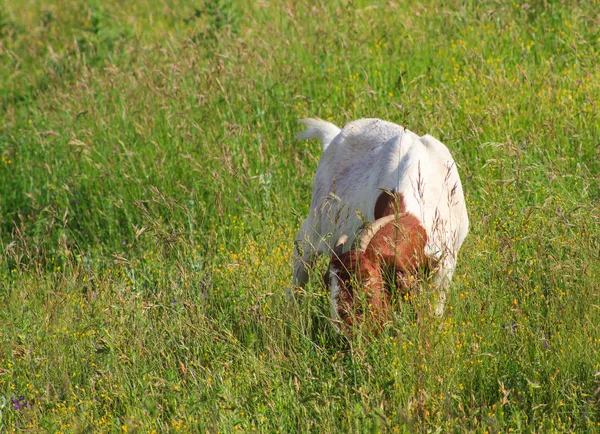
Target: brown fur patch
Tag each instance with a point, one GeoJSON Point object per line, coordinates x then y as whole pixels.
{"type": "Point", "coordinates": [401, 243]}
{"type": "Point", "coordinates": [397, 246]}
{"type": "Point", "coordinates": [356, 272]}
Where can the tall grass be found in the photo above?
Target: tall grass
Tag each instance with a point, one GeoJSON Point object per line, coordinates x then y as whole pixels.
{"type": "Point", "coordinates": [151, 188]}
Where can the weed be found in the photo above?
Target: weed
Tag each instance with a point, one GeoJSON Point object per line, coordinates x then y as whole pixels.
{"type": "Point", "coordinates": [151, 188]}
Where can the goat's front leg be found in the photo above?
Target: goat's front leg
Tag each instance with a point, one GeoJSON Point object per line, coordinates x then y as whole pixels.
{"type": "Point", "coordinates": [304, 257]}
{"type": "Point", "coordinates": [441, 282]}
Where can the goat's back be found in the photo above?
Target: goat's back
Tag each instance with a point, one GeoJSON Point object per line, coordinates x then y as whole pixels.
{"type": "Point", "coordinates": [369, 156]}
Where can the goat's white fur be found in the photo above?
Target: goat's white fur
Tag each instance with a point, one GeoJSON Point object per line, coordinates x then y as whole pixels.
{"type": "Point", "coordinates": [319, 129]}
{"type": "Point", "coordinates": [360, 161]}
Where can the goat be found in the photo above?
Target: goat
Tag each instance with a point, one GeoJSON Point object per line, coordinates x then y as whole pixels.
{"type": "Point", "coordinates": [392, 200]}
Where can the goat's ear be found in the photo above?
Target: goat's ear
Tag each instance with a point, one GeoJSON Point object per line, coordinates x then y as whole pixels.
{"type": "Point", "coordinates": [389, 202]}
{"type": "Point", "coordinates": [339, 245]}
{"type": "Point", "coordinates": [382, 205]}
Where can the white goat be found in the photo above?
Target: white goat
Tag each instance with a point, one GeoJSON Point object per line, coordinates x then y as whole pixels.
{"type": "Point", "coordinates": [407, 186]}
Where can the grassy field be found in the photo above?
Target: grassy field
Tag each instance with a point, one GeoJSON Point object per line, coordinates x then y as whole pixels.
{"type": "Point", "coordinates": [151, 188]}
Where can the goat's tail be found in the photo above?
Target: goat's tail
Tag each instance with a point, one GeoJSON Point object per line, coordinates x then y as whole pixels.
{"type": "Point", "coordinates": [319, 129]}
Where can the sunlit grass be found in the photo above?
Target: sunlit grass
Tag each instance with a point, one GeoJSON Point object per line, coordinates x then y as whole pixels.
{"type": "Point", "coordinates": [152, 188]}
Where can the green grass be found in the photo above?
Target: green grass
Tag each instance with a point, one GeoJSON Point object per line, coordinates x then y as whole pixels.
{"type": "Point", "coordinates": [151, 188]}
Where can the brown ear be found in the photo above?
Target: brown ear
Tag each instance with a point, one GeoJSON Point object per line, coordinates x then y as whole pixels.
{"type": "Point", "coordinates": [388, 202]}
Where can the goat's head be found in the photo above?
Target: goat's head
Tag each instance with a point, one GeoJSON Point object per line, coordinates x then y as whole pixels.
{"type": "Point", "coordinates": [393, 245]}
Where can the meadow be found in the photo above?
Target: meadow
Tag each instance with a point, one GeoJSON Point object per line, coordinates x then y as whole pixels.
{"type": "Point", "coordinates": [152, 186]}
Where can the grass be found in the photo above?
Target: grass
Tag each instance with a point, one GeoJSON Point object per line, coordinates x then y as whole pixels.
{"type": "Point", "coordinates": [152, 187]}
